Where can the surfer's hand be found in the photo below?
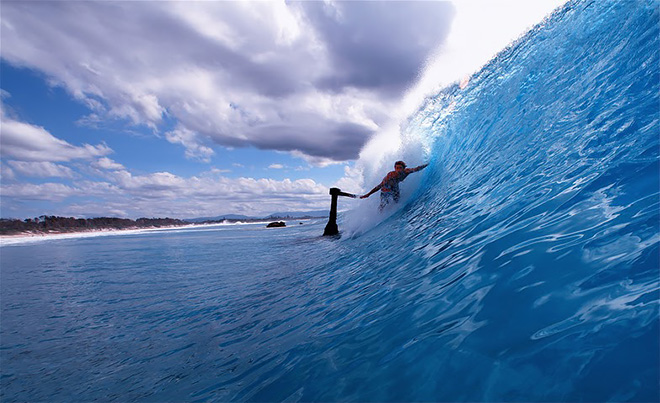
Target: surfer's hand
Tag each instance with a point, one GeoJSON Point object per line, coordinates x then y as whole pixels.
{"type": "Point", "coordinates": [364, 196]}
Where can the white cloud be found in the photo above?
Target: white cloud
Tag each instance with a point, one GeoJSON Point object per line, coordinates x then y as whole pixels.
{"type": "Point", "coordinates": [34, 143]}
{"type": "Point", "coordinates": [243, 189]}
{"type": "Point", "coordinates": [272, 75]}
{"type": "Point", "coordinates": [42, 169]}
{"type": "Point", "coordinates": [276, 166]}
{"type": "Point", "coordinates": [217, 171]}
{"type": "Point", "coordinates": [166, 194]}
{"type": "Point", "coordinates": [315, 161]}
{"type": "Point", "coordinates": [6, 173]}
{"type": "Point", "coordinates": [190, 140]}
{"type": "Point", "coordinates": [107, 163]}
{"type": "Point", "coordinates": [45, 191]}
{"type": "Point", "coordinates": [352, 181]}
{"type": "Point", "coordinates": [159, 184]}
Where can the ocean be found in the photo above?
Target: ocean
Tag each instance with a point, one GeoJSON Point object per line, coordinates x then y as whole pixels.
{"type": "Point", "coordinates": [521, 265]}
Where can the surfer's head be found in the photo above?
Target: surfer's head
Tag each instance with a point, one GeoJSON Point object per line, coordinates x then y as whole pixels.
{"type": "Point", "coordinates": [401, 164]}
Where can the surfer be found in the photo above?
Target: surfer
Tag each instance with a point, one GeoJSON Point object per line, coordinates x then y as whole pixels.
{"type": "Point", "coordinates": [389, 187]}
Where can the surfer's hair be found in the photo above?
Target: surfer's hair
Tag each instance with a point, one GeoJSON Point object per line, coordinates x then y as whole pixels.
{"type": "Point", "coordinates": [403, 164]}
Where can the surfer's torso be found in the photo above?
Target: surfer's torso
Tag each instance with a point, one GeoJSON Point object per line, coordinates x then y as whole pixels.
{"type": "Point", "coordinates": [391, 181]}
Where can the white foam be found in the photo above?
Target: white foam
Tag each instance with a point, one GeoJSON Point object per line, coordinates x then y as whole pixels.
{"type": "Point", "coordinates": [7, 240]}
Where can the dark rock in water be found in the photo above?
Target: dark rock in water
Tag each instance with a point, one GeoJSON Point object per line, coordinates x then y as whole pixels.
{"type": "Point", "coordinates": [276, 224]}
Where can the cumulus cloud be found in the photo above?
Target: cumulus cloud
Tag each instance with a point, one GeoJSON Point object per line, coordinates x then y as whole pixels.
{"type": "Point", "coordinates": [310, 77]}
{"type": "Point", "coordinates": [276, 166]}
{"type": "Point", "coordinates": [352, 181]}
{"type": "Point", "coordinates": [166, 194]}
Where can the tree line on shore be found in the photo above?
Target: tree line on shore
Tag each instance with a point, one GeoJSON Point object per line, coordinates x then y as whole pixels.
{"type": "Point", "coordinates": [54, 224]}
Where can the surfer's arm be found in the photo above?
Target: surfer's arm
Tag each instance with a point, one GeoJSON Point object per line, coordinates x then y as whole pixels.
{"type": "Point", "coordinates": [419, 168]}
{"type": "Point", "coordinates": [372, 191]}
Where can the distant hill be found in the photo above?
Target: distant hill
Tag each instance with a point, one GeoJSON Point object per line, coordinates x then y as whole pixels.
{"type": "Point", "coordinates": [238, 217]}
{"type": "Point", "coordinates": [220, 218]}
{"type": "Point", "coordinates": [300, 214]}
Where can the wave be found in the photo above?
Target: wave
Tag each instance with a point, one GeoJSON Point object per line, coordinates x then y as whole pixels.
{"type": "Point", "coordinates": [538, 219]}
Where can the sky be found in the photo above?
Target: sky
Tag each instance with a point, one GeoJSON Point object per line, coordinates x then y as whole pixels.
{"type": "Point", "coordinates": [206, 108]}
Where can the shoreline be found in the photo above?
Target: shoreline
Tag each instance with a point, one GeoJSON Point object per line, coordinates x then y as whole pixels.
{"type": "Point", "coordinates": [27, 237]}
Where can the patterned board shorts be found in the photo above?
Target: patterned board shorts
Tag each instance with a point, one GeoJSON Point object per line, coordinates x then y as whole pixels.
{"type": "Point", "coordinates": [388, 197]}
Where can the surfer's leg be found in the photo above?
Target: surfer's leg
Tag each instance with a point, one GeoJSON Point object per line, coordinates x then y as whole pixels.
{"type": "Point", "coordinates": [384, 200]}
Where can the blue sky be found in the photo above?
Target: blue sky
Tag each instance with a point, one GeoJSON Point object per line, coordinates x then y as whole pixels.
{"type": "Point", "coordinates": [188, 109]}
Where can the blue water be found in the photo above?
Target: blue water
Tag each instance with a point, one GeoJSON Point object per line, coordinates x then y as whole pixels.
{"type": "Point", "coordinates": [524, 268]}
